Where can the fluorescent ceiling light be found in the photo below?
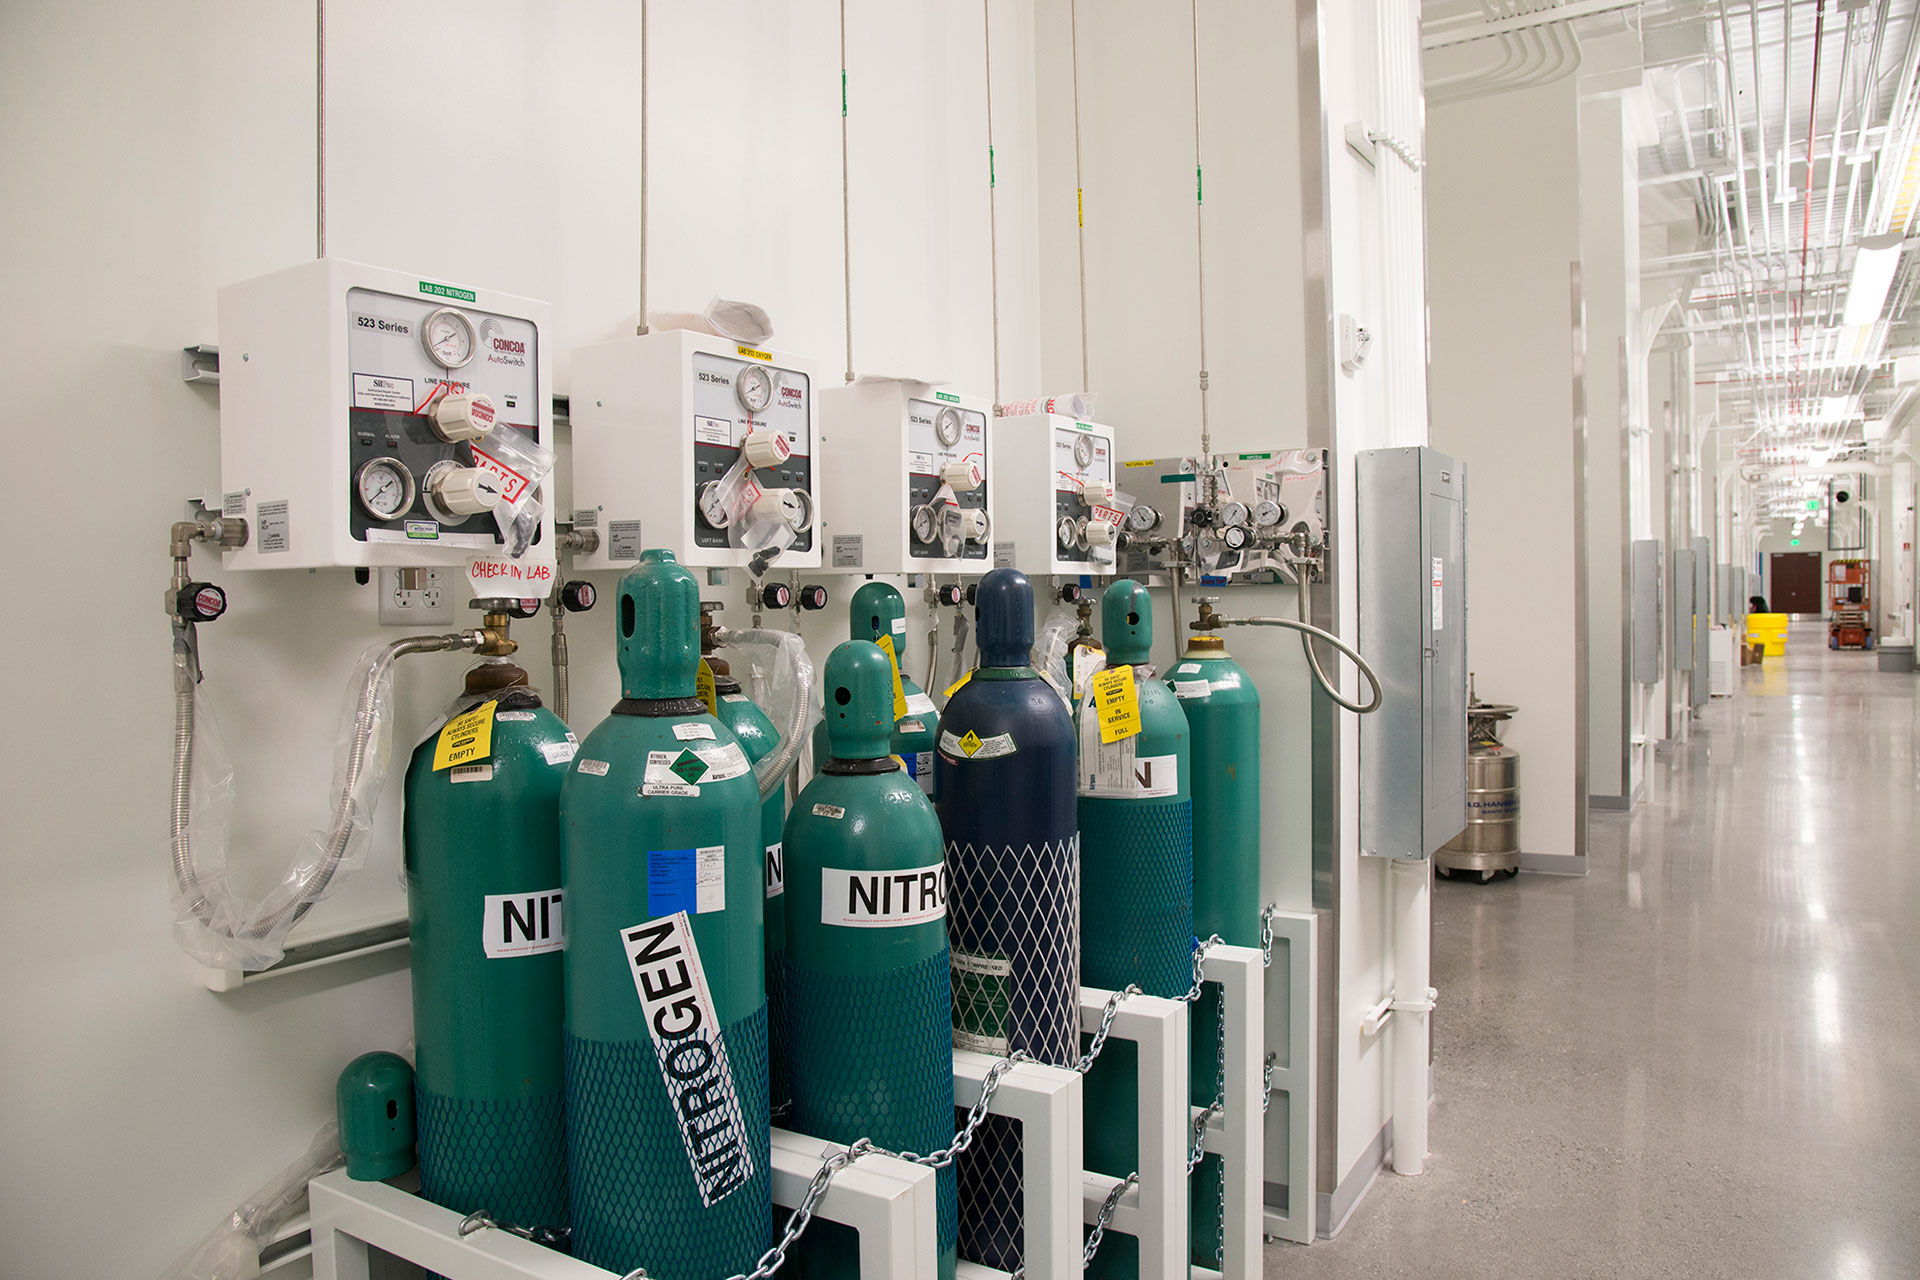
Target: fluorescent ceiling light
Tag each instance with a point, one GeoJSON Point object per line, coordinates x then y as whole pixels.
{"type": "Point", "coordinates": [1838, 408]}
{"type": "Point", "coordinates": [1873, 266]}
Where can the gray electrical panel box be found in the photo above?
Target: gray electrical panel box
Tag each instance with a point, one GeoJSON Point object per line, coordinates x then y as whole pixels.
{"type": "Point", "coordinates": [1682, 611]}
{"type": "Point", "coordinates": [1702, 619]}
{"type": "Point", "coordinates": [1411, 548]}
{"type": "Point", "coordinates": [1646, 611]}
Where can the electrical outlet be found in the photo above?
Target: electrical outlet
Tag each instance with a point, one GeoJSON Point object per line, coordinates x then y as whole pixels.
{"type": "Point", "coordinates": [410, 597]}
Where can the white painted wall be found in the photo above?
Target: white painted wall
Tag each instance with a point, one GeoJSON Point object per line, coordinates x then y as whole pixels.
{"type": "Point", "coordinates": [158, 152]}
{"type": "Point", "coordinates": [1503, 215]}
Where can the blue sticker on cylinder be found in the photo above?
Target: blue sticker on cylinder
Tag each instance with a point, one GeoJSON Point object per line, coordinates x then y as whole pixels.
{"type": "Point", "coordinates": [670, 882]}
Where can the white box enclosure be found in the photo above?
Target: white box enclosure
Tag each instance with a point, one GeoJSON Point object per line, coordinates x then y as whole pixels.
{"type": "Point", "coordinates": [698, 444]}
{"type": "Point", "coordinates": [1057, 486]}
{"type": "Point", "coordinates": [908, 478]}
{"type": "Point", "coordinates": [354, 405]}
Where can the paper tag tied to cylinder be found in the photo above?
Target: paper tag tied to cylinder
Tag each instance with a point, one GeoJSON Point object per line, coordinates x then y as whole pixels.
{"type": "Point", "coordinates": [466, 739]}
{"type": "Point", "coordinates": [899, 694]}
{"type": "Point", "coordinates": [685, 1029]}
{"type": "Point", "coordinates": [1116, 700]}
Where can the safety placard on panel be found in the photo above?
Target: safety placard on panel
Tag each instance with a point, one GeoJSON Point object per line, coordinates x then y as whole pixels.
{"type": "Point", "coordinates": [523, 924]}
{"type": "Point", "coordinates": [849, 550]}
{"type": "Point", "coordinates": [883, 899]}
{"type": "Point", "coordinates": [685, 1028]}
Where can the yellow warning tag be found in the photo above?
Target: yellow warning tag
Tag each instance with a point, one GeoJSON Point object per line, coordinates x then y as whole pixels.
{"type": "Point", "coordinates": [952, 688]}
{"type": "Point", "coordinates": [970, 743]}
{"type": "Point", "coordinates": [1118, 702]}
{"type": "Point", "coordinates": [703, 688]}
{"type": "Point", "coordinates": [468, 737]}
{"type": "Point", "coordinates": [899, 695]}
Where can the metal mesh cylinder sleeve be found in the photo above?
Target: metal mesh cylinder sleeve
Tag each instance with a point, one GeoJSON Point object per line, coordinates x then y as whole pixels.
{"type": "Point", "coordinates": [509, 1158]}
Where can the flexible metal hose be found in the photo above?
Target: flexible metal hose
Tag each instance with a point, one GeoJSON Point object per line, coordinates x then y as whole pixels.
{"type": "Point", "coordinates": [1307, 632]}
{"type": "Point", "coordinates": [366, 714]}
{"type": "Point", "coordinates": [561, 702]}
{"type": "Point", "coordinates": [772, 770]}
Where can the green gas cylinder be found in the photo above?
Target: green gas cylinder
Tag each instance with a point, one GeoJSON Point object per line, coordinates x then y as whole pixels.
{"type": "Point", "coordinates": [1136, 877]}
{"type": "Point", "coordinates": [867, 964]}
{"type": "Point", "coordinates": [482, 839]}
{"type": "Point", "coordinates": [760, 738]}
{"type": "Point", "coordinates": [1223, 711]}
{"type": "Point", "coordinates": [877, 610]}
{"type": "Point", "coordinates": [666, 1031]}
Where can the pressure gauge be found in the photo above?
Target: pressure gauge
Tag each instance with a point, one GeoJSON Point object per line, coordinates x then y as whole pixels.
{"type": "Point", "coordinates": [1083, 451]}
{"type": "Point", "coordinates": [1142, 518]}
{"type": "Point", "coordinates": [1069, 533]}
{"type": "Point", "coordinates": [754, 385]}
{"type": "Point", "coordinates": [1267, 513]}
{"type": "Point", "coordinates": [449, 338]}
{"type": "Point", "coordinates": [926, 526]}
{"type": "Point", "coordinates": [946, 427]}
{"type": "Point", "coordinates": [1233, 514]}
{"type": "Point", "coordinates": [385, 487]}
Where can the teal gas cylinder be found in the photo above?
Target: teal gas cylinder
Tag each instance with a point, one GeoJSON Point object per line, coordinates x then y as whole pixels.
{"type": "Point", "coordinates": [666, 1035]}
{"type": "Point", "coordinates": [1223, 712]}
{"type": "Point", "coordinates": [876, 610]}
{"type": "Point", "coordinates": [484, 902]}
{"type": "Point", "coordinates": [759, 738]}
{"type": "Point", "coordinates": [1006, 765]}
{"type": "Point", "coordinates": [867, 977]}
{"type": "Point", "coordinates": [1136, 877]}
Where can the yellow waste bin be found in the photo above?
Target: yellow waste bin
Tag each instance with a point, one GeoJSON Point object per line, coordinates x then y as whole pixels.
{"type": "Point", "coordinates": [1769, 631]}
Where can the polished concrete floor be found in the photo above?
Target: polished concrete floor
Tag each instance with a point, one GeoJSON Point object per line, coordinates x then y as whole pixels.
{"type": "Point", "coordinates": [1703, 1059]}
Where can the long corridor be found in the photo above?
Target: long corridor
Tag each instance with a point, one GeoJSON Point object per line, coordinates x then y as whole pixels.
{"type": "Point", "coordinates": [1703, 1059]}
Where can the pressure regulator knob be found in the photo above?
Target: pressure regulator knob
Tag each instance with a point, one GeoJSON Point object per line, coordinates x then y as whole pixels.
{"type": "Point", "coordinates": [463, 491]}
{"type": "Point", "coordinates": [813, 596]}
{"type": "Point", "coordinates": [1234, 536]}
{"type": "Point", "coordinates": [199, 602]}
{"type": "Point", "coordinates": [973, 592]}
{"type": "Point", "coordinates": [468, 416]}
{"type": "Point", "coordinates": [1070, 593]}
{"type": "Point", "coordinates": [1097, 493]}
{"type": "Point", "coordinates": [578, 596]}
{"type": "Point", "coordinates": [523, 608]}
{"type": "Point", "coordinates": [962, 476]}
{"type": "Point", "coordinates": [776, 595]}
{"type": "Point", "coordinates": [973, 525]}
{"type": "Point", "coordinates": [766, 447]}
{"type": "Point", "coordinates": [790, 507]}
{"type": "Point", "coordinates": [1098, 533]}
{"type": "Point", "coordinates": [949, 595]}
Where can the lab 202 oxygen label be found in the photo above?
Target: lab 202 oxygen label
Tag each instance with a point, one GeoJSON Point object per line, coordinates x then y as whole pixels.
{"type": "Point", "coordinates": [693, 1058]}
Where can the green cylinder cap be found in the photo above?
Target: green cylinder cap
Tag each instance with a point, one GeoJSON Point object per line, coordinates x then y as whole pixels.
{"type": "Point", "coordinates": [658, 628]}
{"type": "Point", "coordinates": [859, 701]}
{"type": "Point", "coordinates": [375, 1100]}
{"type": "Point", "coordinates": [876, 606]}
{"type": "Point", "coordinates": [1126, 622]}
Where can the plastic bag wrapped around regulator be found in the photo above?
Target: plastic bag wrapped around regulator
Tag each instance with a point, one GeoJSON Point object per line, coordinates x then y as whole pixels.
{"type": "Point", "coordinates": [1074, 404]}
{"type": "Point", "coordinates": [215, 924]}
{"type": "Point", "coordinates": [522, 465]}
{"type": "Point", "coordinates": [780, 678]}
{"type": "Point", "coordinates": [1052, 644]}
{"type": "Point", "coordinates": [231, 1251]}
{"type": "Point", "coordinates": [741, 321]}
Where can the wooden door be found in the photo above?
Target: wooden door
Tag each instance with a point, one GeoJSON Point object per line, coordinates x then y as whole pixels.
{"type": "Point", "coordinates": [1796, 585]}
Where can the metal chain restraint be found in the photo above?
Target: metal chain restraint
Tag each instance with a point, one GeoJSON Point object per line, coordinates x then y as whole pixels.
{"type": "Point", "coordinates": [830, 1167]}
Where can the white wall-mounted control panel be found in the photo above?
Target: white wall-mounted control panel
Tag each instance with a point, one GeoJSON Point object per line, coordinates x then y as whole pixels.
{"type": "Point", "coordinates": [1059, 494]}
{"type": "Point", "coordinates": [910, 488]}
{"type": "Point", "coordinates": [356, 407]}
{"type": "Point", "coordinates": [697, 444]}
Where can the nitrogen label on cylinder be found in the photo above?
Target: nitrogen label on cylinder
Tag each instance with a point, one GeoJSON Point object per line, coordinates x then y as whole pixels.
{"type": "Point", "coordinates": [883, 899]}
{"type": "Point", "coordinates": [693, 1058]}
{"type": "Point", "coordinates": [981, 1002]}
{"type": "Point", "coordinates": [776, 869]}
{"type": "Point", "coordinates": [680, 773]}
{"type": "Point", "coordinates": [523, 924]}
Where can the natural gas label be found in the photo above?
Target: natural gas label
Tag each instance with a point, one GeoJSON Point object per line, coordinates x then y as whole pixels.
{"type": "Point", "coordinates": [981, 1002]}
{"type": "Point", "coordinates": [883, 899]}
{"type": "Point", "coordinates": [692, 880]}
{"type": "Point", "coordinates": [776, 869]}
{"type": "Point", "coordinates": [1116, 699]}
{"type": "Point", "coordinates": [693, 1058]}
{"type": "Point", "coordinates": [522, 924]}
{"type": "Point", "coordinates": [467, 738]}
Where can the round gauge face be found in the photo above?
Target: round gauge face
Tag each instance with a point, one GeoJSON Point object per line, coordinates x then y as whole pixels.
{"type": "Point", "coordinates": [754, 386]}
{"type": "Point", "coordinates": [385, 487]}
{"type": "Point", "coordinates": [1083, 451]}
{"type": "Point", "coordinates": [1142, 518]}
{"type": "Point", "coordinates": [1069, 536]}
{"type": "Point", "coordinates": [797, 508]}
{"type": "Point", "coordinates": [946, 427]}
{"type": "Point", "coordinates": [1267, 513]}
{"type": "Point", "coordinates": [449, 338]}
{"type": "Point", "coordinates": [925, 525]}
{"type": "Point", "coordinates": [1233, 513]}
